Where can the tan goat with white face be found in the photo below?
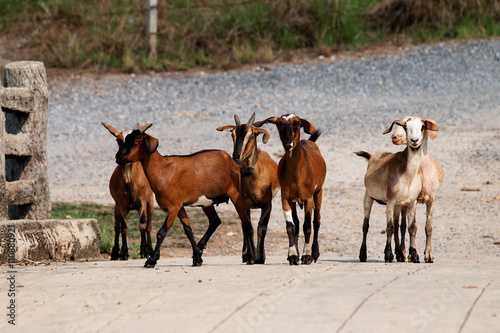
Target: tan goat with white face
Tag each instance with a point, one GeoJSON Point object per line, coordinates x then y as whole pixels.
{"type": "Point", "coordinates": [395, 180]}
{"type": "Point", "coordinates": [432, 179]}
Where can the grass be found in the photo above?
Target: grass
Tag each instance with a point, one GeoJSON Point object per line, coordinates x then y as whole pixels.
{"type": "Point", "coordinates": [225, 34]}
{"type": "Point", "coordinates": [104, 214]}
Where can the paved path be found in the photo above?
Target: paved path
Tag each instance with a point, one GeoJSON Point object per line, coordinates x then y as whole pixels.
{"type": "Point", "coordinates": [333, 295]}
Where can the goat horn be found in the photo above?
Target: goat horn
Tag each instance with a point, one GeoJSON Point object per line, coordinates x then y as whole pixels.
{"type": "Point", "coordinates": [237, 120]}
{"type": "Point", "coordinates": [251, 120]}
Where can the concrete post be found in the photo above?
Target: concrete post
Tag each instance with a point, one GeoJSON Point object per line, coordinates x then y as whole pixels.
{"type": "Point", "coordinates": [26, 168]}
{"type": "Point", "coordinates": [152, 27]}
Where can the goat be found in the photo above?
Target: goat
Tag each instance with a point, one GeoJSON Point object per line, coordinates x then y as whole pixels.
{"type": "Point", "coordinates": [261, 184]}
{"type": "Point", "coordinates": [201, 179]}
{"type": "Point", "coordinates": [395, 180]}
{"type": "Point", "coordinates": [301, 174]}
{"type": "Point", "coordinates": [432, 179]}
{"type": "Point", "coordinates": [130, 190]}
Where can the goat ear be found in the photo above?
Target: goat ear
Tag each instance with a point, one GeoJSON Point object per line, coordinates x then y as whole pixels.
{"type": "Point", "coordinates": [401, 123]}
{"type": "Point", "coordinates": [228, 128]}
{"type": "Point", "coordinates": [431, 127]}
{"type": "Point", "coordinates": [143, 128]}
{"type": "Point", "coordinates": [150, 143]}
{"type": "Point", "coordinates": [266, 133]}
{"type": "Point", "coordinates": [111, 129]}
{"type": "Point", "coordinates": [271, 120]}
{"type": "Point", "coordinates": [307, 126]}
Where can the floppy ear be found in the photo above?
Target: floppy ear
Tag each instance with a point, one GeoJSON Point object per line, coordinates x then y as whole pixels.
{"type": "Point", "coordinates": [307, 126]}
{"type": "Point", "coordinates": [271, 120]}
{"type": "Point", "coordinates": [401, 123]}
{"type": "Point", "coordinates": [266, 133]}
{"type": "Point", "coordinates": [431, 127]}
{"type": "Point", "coordinates": [150, 143]}
{"type": "Point", "coordinates": [111, 129]}
{"type": "Point", "coordinates": [228, 128]}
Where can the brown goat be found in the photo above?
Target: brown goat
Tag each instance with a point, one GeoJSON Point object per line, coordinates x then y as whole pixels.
{"type": "Point", "coordinates": [395, 180]}
{"type": "Point", "coordinates": [130, 190]}
{"type": "Point", "coordinates": [301, 173]}
{"type": "Point", "coordinates": [432, 179]}
{"type": "Point", "coordinates": [261, 184]}
{"type": "Point", "coordinates": [201, 179]}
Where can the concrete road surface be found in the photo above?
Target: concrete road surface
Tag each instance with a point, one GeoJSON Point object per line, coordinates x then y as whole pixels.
{"type": "Point", "coordinates": [333, 295]}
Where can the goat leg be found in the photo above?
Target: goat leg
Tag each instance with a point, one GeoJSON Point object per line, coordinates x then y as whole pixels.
{"type": "Point", "coordinates": [428, 232]}
{"type": "Point", "coordinates": [318, 199]}
{"type": "Point", "coordinates": [213, 223]}
{"type": "Point", "coordinates": [160, 236]}
{"type": "Point", "coordinates": [367, 205]}
{"type": "Point", "coordinates": [307, 258]}
{"type": "Point", "coordinates": [260, 256]}
{"type": "Point", "coordinates": [197, 261]}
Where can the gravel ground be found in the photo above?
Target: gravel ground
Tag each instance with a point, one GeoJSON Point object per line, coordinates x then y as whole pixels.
{"type": "Point", "coordinates": [353, 99]}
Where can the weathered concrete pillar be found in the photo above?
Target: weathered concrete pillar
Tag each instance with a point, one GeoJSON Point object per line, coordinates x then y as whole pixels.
{"type": "Point", "coordinates": [25, 103]}
{"type": "Point", "coordinates": [3, 198]}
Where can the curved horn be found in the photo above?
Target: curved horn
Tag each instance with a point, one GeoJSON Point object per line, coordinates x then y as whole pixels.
{"type": "Point", "coordinates": [237, 120]}
{"type": "Point", "coordinates": [251, 120]}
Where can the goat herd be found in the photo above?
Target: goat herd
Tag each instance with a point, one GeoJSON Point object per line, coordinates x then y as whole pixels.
{"type": "Point", "coordinates": [251, 178]}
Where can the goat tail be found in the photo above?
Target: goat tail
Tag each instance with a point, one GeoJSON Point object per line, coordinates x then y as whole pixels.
{"type": "Point", "coordinates": [363, 154]}
{"type": "Point", "coordinates": [315, 135]}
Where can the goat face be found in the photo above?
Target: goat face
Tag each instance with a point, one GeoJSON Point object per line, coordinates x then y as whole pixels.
{"type": "Point", "coordinates": [244, 138]}
{"type": "Point", "coordinates": [414, 128]}
{"type": "Point", "coordinates": [136, 145]}
{"type": "Point", "coordinates": [399, 136]}
{"type": "Point", "coordinates": [289, 126]}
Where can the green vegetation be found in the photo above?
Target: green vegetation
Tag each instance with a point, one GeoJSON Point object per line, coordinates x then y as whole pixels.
{"type": "Point", "coordinates": [104, 214]}
{"type": "Point", "coordinates": [225, 34]}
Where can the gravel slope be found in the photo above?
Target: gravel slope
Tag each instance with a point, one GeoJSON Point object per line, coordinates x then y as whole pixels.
{"type": "Point", "coordinates": [352, 99]}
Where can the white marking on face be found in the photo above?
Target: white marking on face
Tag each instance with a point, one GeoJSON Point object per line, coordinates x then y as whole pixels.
{"type": "Point", "coordinates": [288, 117]}
{"type": "Point", "coordinates": [414, 132]}
{"type": "Point", "coordinates": [203, 201]}
{"type": "Point", "coordinates": [125, 133]}
{"type": "Point", "coordinates": [288, 216]}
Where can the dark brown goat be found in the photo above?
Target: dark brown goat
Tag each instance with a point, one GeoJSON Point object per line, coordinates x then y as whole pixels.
{"type": "Point", "coordinates": [261, 184]}
{"type": "Point", "coordinates": [130, 190]}
{"type": "Point", "coordinates": [301, 174]}
{"type": "Point", "coordinates": [203, 179]}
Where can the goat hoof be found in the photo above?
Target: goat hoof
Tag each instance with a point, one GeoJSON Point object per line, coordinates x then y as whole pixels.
{"type": "Point", "coordinates": [293, 260]}
{"type": "Point", "coordinates": [413, 256]}
{"type": "Point", "coordinates": [315, 251]}
{"type": "Point", "coordinates": [260, 261]}
{"type": "Point", "coordinates": [399, 255]}
{"type": "Point", "coordinates": [197, 263]}
{"type": "Point", "coordinates": [362, 253]}
{"type": "Point", "coordinates": [389, 257]}
{"type": "Point", "coordinates": [150, 263]}
{"type": "Point", "coordinates": [306, 260]}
